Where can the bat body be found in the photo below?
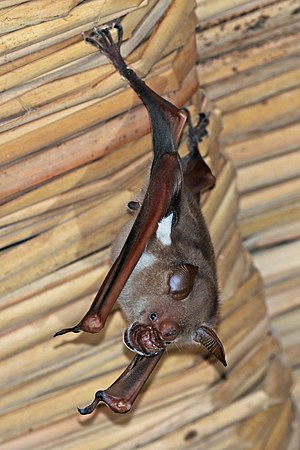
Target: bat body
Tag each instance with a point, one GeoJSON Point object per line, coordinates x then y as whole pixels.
{"type": "Point", "coordinates": [178, 269]}
{"type": "Point", "coordinates": [163, 273]}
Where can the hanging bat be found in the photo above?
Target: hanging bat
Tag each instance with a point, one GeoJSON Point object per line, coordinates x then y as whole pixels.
{"type": "Point", "coordinates": [164, 273]}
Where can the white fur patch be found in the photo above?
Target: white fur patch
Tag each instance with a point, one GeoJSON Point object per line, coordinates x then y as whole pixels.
{"type": "Point", "coordinates": [164, 229]}
{"type": "Point", "coordinates": [146, 260]}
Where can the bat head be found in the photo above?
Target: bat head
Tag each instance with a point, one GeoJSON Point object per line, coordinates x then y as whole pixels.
{"type": "Point", "coordinates": [173, 303]}
{"type": "Point", "coordinates": [160, 327]}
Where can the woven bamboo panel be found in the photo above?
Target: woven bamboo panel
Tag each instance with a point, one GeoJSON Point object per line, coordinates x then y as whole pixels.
{"type": "Point", "coordinates": [252, 72]}
{"type": "Point", "coordinates": [75, 146]}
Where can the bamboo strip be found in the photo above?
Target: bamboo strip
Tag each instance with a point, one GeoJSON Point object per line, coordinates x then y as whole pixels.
{"type": "Point", "coordinates": [96, 11]}
{"type": "Point", "coordinates": [170, 40]}
{"type": "Point", "coordinates": [216, 195]}
{"type": "Point", "coordinates": [278, 439]}
{"type": "Point", "coordinates": [269, 172]}
{"type": "Point", "coordinates": [243, 61]}
{"type": "Point", "coordinates": [198, 430]}
{"type": "Point", "coordinates": [283, 295]}
{"type": "Point", "coordinates": [265, 89]}
{"type": "Point", "coordinates": [79, 239]}
{"type": "Point", "coordinates": [252, 75]}
{"type": "Point", "coordinates": [64, 191]}
{"type": "Point", "coordinates": [99, 180]}
{"type": "Point", "coordinates": [264, 116]}
{"type": "Point", "coordinates": [223, 216]}
{"type": "Point", "coordinates": [287, 233]}
{"type": "Point", "coordinates": [227, 89]}
{"type": "Point", "coordinates": [228, 255]}
{"type": "Point", "coordinates": [249, 287]}
{"type": "Point", "coordinates": [280, 266]}
{"type": "Point", "coordinates": [139, 35]}
{"type": "Point", "coordinates": [263, 200]}
{"type": "Point", "coordinates": [35, 12]}
{"type": "Point", "coordinates": [265, 145]}
{"type": "Point", "coordinates": [25, 310]}
{"type": "Point", "coordinates": [283, 214]}
{"type": "Point", "coordinates": [223, 9]}
{"type": "Point", "coordinates": [66, 56]}
{"type": "Point", "coordinates": [23, 231]}
{"type": "Point", "coordinates": [69, 155]}
{"type": "Point", "coordinates": [249, 29]}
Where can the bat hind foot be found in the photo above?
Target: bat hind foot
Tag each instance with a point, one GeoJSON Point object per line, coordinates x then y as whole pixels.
{"type": "Point", "coordinates": [199, 131]}
{"type": "Point", "coordinates": [101, 38]}
{"type": "Point", "coordinates": [197, 174]}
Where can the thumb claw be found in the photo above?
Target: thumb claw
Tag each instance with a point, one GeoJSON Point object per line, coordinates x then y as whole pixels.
{"type": "Point", "coordinates": [90, 408]}
{"type": "Point", "coordinates": [75, 329]}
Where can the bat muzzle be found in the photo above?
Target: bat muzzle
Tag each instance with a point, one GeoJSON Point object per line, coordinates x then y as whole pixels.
{"type": "Point", "coordinates": [143, 339]}
{"type": "Point", "coordinates": [148, 340]}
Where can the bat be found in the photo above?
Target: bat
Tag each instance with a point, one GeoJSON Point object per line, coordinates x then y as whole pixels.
{"type": "Point", "coordinates": [164, 273]}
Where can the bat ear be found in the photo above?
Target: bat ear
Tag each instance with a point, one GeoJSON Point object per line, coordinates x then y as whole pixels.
{"type": "Point", "coordinates": [181, 281]}
{"type": "Point", "coordinates": [210, 340]}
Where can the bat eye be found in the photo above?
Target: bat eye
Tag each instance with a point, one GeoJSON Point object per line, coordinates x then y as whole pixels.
{"type": "Point", "coordinates": [181, 281]}
{"type": "Point", "coordinates": [153, 316]}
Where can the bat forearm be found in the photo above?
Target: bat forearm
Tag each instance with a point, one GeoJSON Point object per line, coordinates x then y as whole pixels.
{"type": "Point", "coordinates": [120, 396]}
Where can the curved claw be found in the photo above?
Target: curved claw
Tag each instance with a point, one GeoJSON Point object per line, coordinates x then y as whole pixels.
{"type": "Point", "coordinates": [92, 41]}
{"type": "Point", "coordinates": [119, 27]}
{"type": "Point", "coordinates": [105, 32]}
{"type": "Point", "coordinates": [92, 406]}
{"type": "Point", "coordinates": [101, 38]}
{"type": "Point", "coordinates": [75, 329]}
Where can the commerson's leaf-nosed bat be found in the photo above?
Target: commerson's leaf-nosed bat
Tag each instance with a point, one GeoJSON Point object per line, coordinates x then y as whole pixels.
{"type": "Point", "coordinates": [164, 273]}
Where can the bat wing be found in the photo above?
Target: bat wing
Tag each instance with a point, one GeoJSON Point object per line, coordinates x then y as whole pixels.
{"type": "Point", "coordinates": [162, 198]}
{"type": "Point", "coordinates": [120, 396]}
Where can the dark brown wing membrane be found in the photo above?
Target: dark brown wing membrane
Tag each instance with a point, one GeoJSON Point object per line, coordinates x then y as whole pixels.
{"type": "Point", "coordinates": [164, 192]}
{"type": "Point", "coordinates": [120, 396]}
{"type": "Point", "coordinates": [162, 198]}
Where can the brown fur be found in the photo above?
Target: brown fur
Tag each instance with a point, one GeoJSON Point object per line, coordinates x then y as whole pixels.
{"type": "Point", "coordinates": [146, 290]}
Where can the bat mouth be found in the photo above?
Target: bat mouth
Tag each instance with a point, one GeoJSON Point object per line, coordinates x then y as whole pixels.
{"type": "Point", "coordinates": [145, 340]}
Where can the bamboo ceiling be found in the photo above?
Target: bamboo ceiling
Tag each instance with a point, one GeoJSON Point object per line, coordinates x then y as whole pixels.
{"type": "Point", "coordinates": [74, 147]}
